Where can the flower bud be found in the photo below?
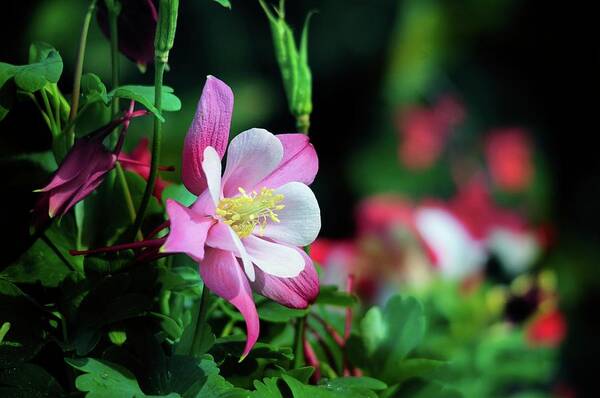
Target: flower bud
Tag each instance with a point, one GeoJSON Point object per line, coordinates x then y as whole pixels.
{"type": "Point", "coordinates": [165, 30]}
{"type": "Point", "coordinates": [293, 61]}
{"type": "Point", "coordinates": [136, 25]}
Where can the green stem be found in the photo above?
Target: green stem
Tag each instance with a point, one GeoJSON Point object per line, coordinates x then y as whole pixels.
{"type": "Point", "coordinates": [114, 52]}
{"type": "Point", "coordinates": [78, 72]}
{"type": "Point", "coordinates": [303, 124]}
{"type": "Point", "coordinates": [128, 197]}
{"type": "Point", "coordinates": [200, 321]}
{"type": "Point", "coordinates": [69, 125]}
{"type": "Point", "coordinates": [299, 343]}
{"type": "Point", "coordinates": [57, 252]}
{"type": "Point", "coordinates": [37, 104]}
{"type": "Point", "coordinates": [156, 141]}
{"type": "Point", "coordinates": [49, 113]}
{"type": "Point", "coordinates": [56, 104]}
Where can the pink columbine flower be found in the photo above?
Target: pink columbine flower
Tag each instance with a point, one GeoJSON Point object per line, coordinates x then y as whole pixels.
{"type": "Point", "coordinates": [247, 227]}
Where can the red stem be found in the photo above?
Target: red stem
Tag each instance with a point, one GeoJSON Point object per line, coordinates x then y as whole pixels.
{"type": "Point", "coordinates": [116, 248]}
{"type": "Point", "coordinates": [156, 230]}
{"type": "Point", "coordinates": [132, 162]}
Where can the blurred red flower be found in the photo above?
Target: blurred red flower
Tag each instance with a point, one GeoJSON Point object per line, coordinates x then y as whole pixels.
{"type": "Point", "coordinates": [424, 131]}
{"type": "Point", "coordinates": [138, 161]}
{"type": "Point", "coordinates": [547, 329]}
{"type": "Point", "coordinates": [509, 156]}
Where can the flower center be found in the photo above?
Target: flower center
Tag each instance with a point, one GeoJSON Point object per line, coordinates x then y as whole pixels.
{"type": "Point", "coordinates": [248, 210]}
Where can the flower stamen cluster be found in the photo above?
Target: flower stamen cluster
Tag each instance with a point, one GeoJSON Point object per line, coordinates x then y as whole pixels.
{"type": "Point", "coordinates": [248, 210]}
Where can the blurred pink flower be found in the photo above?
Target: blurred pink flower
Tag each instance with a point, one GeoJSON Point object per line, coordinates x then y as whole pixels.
{"type": "Point", "coordinates": [247, 227]}
{"type": "Point", "coordinates": [509, 156]}
{"type": "Point", "coordinates": [138, 161]}
{"type": "Point", "coordinates": [424, 131]}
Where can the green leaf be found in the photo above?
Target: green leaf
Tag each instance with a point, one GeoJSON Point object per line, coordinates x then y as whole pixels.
{"type": "Point", "coordinates": [273, 312]}
{"type": "Point", "coordinates": [179, 193]}
{"type": "Point", "coordinates": [44, 262]}
{"type": "Point", "coordinates": [416, 367]}
{"type": "Point", "coordinates": [301, 374]}
{"type": "Point", "coordinates": [23, 325]}
{"type": "Point", "coordinates": [389, 335]}
{"type": "Point", "coordinates": [45, 67]}
{"type": "Point", "coordinates": [45, 160]}
{"type": "Point", "coordinates": [356, 382]}
{"type": "Point", "coordinates": [232, 346]}
{"type": "Point", "coordinates": [103, 379]}
{"type": "Point", "coordinates": [224, 3]}
{"type": "Point", "coordinates": [331, 295]}
{"type": "Point", "coordinates": [145, 96]}
{"type": "Point", "coordinates": [267, 388]}
{"type": "Point", "coordinates": [93, 89]}
{"type": "Point", "coordinates": [338, 389]}
{"type": "Point", "coordinates": [28, 380]}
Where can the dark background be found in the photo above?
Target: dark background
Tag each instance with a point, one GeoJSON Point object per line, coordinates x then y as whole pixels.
{"type": "Point", "coordinates": [539, 63]}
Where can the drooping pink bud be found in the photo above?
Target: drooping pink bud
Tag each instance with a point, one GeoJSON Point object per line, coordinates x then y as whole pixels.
{"type": "Point", "coordinates": [136, 26]}
{"type": "Point", "coordinates": [79, 174]}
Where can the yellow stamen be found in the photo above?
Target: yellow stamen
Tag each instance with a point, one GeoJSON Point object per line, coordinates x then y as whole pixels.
{"type": "Point", "coordinates": [248, 210]}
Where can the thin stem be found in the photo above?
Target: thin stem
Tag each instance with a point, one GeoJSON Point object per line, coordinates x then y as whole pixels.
{"type": "Point", "coordinates": [78, 72]}
{"type": "Point", "coordinates": [116, 248]}
{"type": "Point", "coordinates": [71, 122]}
{"type": "Point", "coordinates": [127, 194]}
{"type": "Point", "coordinates": [114, 53]}
{"type": "Point", "coordinates": [201, 321]}
{"type": "Point", "coordinates": [49, 112]}
{"type": "Point", "coordinates": [37, 104]}
{"type": "Point", "coordinates": [303, 124]}
{"type": "Point", "coordinates": [156, 141]}
{"type": "Point", "coordinates": [56, 104]}
{"type": "Point", "coordinates": [57, 252]}
{"type": "Point", "coordinates": [299, 342]}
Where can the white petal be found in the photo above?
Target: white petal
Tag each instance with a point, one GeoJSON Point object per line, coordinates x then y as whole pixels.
{"type": "Point", "coordinates": [252, 155]}
{"type": "Point", "coordinates": [222, 236]}
{"type": "Point", "coordinates": [458, 253]}
{"type": "Point", "coordinates": [211, 164]}
{"type": "Point", "coordinates": [300, 219]}
{"type": "Point", "coordinates": [274, 258]}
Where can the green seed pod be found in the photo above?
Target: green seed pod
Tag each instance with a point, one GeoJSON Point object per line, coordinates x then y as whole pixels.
{"type": "Point", "coordinates": [292, 61]}
{"type": "Point", "coordinates": [165, 29]}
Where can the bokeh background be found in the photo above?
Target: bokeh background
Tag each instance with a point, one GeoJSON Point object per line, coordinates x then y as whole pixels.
{"type": "Point", "coordinates": [527, 64]}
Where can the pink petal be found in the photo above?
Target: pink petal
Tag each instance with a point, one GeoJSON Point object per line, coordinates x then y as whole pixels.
{"type": "Point", "coordinates": [274, 258]}
{"type": "Point", "coordinates": [300, 219]}
{"type": "Point", "coordinates": [296, 292]}
{"type": "Point", "coordinates": [210, 127]}
{"type": "Point", "coordinates": [74, 163]}
{"type": "Point", "coordinates": [187, 232]}
{"type": "Point", "coordinates": [221, 236]}
{"type": "Point", "coordinates": [223, 275]}
{"type": "Point", "coordinates": [300, 162]}
{"type": "Point", "coordinates": [204, 205]}
{"type": "Point", "coordinates": [252, 156]}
